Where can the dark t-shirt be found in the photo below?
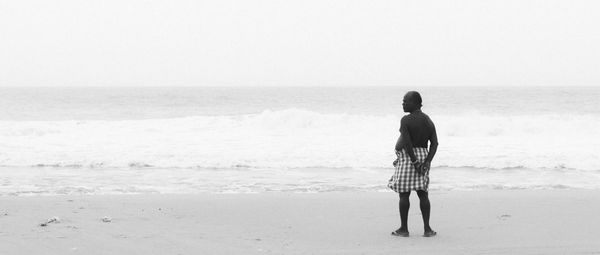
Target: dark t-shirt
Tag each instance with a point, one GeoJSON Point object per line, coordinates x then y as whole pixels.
{"type": "Point", "coordinates": [420, 129]}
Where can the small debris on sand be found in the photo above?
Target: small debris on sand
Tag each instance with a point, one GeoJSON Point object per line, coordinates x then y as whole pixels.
{"type": "Point", "coordinates": [106, 219]}
{"type": "Point", "coordinates": [504, 216]}
{"type": "Point", "coordinates": [51, 220]}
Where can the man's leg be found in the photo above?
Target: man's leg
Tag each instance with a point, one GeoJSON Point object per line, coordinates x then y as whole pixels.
{"type": "Point", "coordinates": [425, 211]}
{"type": "Point", "coordinates": [404, 205]}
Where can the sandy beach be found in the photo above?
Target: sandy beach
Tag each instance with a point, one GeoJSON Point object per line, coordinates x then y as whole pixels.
{"type": "Point", "coordinates": [148, 127]}
{"type": "Point", "coordinates": [467, 222]}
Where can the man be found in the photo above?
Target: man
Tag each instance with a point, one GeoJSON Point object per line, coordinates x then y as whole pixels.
{"type": "Point", "coordinates": [412, 165]}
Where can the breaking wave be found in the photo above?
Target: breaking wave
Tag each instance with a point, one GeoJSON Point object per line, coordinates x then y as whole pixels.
{"type": "Point", "coordinates": [297, 138]}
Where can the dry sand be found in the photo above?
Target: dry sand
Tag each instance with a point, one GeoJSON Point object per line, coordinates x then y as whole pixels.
{"type": "Point", "coordinates": [467, 222]}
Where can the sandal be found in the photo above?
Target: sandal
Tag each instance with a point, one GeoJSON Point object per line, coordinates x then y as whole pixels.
{"type": "Point", "coordinates": [429, 233]}
{"type": "Point", "coordinates": [401, 233]}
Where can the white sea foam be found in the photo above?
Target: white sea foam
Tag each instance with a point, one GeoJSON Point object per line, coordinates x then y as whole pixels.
{"type": "Point", "coordinates": [51, 181]}
{"type": "Point", "coordinates": [296, 138]}
{"type": "Point", "coordinates": [187, 140]}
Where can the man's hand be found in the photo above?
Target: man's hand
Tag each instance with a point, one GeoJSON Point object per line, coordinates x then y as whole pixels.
{"type": "Point", "coordinates": [398, 155]}
{"type": "Point", "coordinates": [425, 167]}
{"type": "Point", "coordinates": [418, 165]}
{"type": "Point", "coordinates": [422, 168]}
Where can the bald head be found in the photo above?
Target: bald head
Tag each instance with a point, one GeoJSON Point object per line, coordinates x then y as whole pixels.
{"type": "Point", "coordinates": [412, 101]}
{"type": "Point", "coordinates": [415, 97]}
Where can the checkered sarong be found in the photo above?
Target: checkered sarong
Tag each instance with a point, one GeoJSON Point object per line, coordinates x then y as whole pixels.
{"type": "Point", "coordinates": [405, 177]}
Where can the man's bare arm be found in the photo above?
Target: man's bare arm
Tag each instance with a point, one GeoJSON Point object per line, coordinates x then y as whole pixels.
{"type": "Point", "coordinates": [399, 143]}
{"type": "Point", "coordinates": [433, 145]}
{"type": "Point", "coordinates": [406, 142]}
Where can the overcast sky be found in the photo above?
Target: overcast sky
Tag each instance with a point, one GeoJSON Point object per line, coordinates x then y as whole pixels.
{"type": "Point", "coordinates": [299, 42]}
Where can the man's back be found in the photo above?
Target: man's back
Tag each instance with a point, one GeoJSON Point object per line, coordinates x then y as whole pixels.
{"type": "Point", "coordinates": [420, 128]}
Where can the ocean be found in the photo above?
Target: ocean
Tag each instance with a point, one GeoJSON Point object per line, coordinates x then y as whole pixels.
{"type": "Point", "coordinates": [108, 140]}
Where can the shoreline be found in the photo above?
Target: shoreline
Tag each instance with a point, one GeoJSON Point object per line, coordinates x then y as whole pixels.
{"type": "Point", "coordinates": [108, 181]}
{"type": "Point", "coordinates": [467, 222]}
